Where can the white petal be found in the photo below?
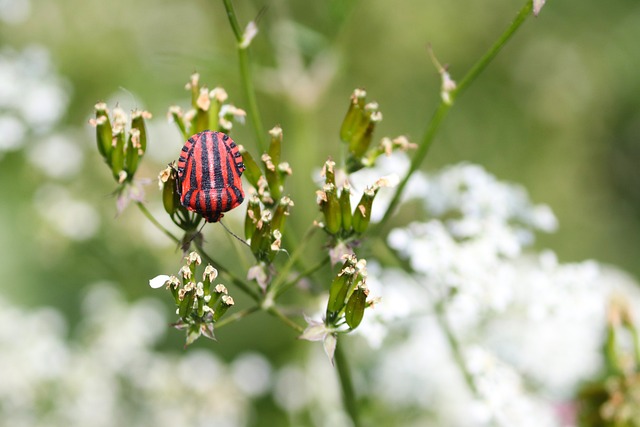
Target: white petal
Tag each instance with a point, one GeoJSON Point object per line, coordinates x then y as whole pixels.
{"type": "Point", "coordinates": [159, 281]}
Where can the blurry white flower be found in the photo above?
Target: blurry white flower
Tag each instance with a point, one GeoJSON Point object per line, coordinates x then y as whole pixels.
{"type": "Point", "coordinates": [73, 218]}
{"type": "Point", "coordinates": [14, 11]}
{"type": "Point", "coordinates": [57, 156]}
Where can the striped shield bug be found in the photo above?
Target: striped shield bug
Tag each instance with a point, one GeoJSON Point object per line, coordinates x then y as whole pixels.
{"type": "Point", "coordinates": [209, 171]}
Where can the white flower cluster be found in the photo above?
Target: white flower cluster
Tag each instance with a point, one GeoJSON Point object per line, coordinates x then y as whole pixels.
{"type": "Point", "coordinates": [484, 332]}
{"type": "Point", "coordinates": [111, 375]}
{"type": "Point", "coordinates": [32, 97]}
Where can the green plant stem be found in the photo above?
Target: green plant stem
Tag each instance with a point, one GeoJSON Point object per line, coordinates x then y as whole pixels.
{"type": "Point", "coordinates": [300, 276]}
{"type": "Point", "coordinates": [234, 279]}
{"type": "Point", "coordinates": [273, 310]}
{"type": "Point", "coordinates": [155, 222]}
{"type": "Point", "coordinates": [344, 375]}
{"type": "Point", "coordinates": [282, 274]}
{"type": "Point", "coordinates": [455, 348]}
{"type": "Point", "coordinates": [444, 107]}
{"type": "Point", "coordinates": [236, 316]}
{"type": "Point", "coordinates": [245, 76]}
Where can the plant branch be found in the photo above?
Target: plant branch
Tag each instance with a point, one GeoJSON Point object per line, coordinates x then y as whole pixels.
{"type": "Point", "coordinates": [444, 107]}
{"type": "Point", "coordinates": [155, 222]}
{"type": "Point", "coordinates": [236, 316]}
{"type": "Point", "coordinates": [300, 276]}
{"type": "Point", "coordinates": [273, 310]}
{"type": "Point", "coordinates": [234, 279]}
{"type": "Point", "coordinates": [245, 76]}
{"type": "Point", "coordinates": [344, 375]}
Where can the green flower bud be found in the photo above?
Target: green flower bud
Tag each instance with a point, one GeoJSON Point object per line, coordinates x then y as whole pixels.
{"type": "Point", "coordinates": [272, 176]}
{"type": "Point", "coordinates": [252, 217]}
{"type": "Point", "coordinates": [226, 303]}
{"type": "Point", "coordinates": [328, 171]}
{"type": "Point", "coordinates": [217, 95]}
{"type": "Point", "coordinates": [345, 207]}
{"type": "Point", "coordinates": [170, 197]}
{"type": "Point", "coordinates": [134, 152]}
{"type": "Point", "coordinates": [201, 121]}
{"type": "Point", "coordinates": [104, 134]}
{"type": "Point", "coordinates": [217, 293]}
{"type": "Point", "coordinates": [175, 114]}
{"type": "Point", "coordinates": [117, 154]}
{"type": "Point", "coordinates": [281, 213]}
{"type": "Point", "coordinates": [275, 147]}
{"type": "Point", "coordinates": [186, 301]}
{"type": "Point", "coordinates": [194, 87]}
{"type": "Point", "coordinates": [354, 117]}
{"type": "Point", "coordinates": [252, 171]}
{"type": "Point", "coordinates": [208, 276]}
{"type": "Point", "coordinates": [362, 213]}
{"type": "Point", "coordinates": [261, 240]}
{"type": "Point", "coordinates": [138, 122]}
{"type": "Point", "coordinates": [338, 293]}
{"type": "Point", "coordinates": [356, 304]}
{"type": "Point", "coordinates": [328, 201]}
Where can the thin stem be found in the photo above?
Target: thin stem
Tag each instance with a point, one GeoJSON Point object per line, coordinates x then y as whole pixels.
{"type": "Point", "coordinates": [245, 76]}
{"type": "Point", "coordinates": [282, 274]}
{"type": "Point", "coordinates": [455, 348]}
{"type": "Point", "coordinates": [273, 310]}
{"type": "Point", "coordinates": [344, 375]}
{"type": "Point", "coordinates": [444, 107]}
{"type": "Point", "coordinates": [302, 275]}
{"type": "Point", "coordinates": [155, 222]}
{"type": "Point", "coordinates": [482, 63]}
{"type": "Point", "coordinates": [234, 279]}
{"type": "Point", "coordinates": [237, 31]}
{"type": "Point", "coordinates": [236, 316]}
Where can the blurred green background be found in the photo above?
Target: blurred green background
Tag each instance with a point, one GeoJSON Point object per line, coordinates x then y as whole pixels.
{"type": "Point", "coordinates": [558, 111]}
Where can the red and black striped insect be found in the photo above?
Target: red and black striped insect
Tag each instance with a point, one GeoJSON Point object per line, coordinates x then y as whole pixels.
{"type": "Point", "coordinates": [209, 171]}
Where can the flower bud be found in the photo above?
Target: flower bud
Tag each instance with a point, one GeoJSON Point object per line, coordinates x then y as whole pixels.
{"type": "Point", "coordinates": [252, 171]}
{"type": "Point", "coordinates": [201, 121]}
{"type": "Point", "coordinates": [252, 217]}
{"type": "Point", "coordinates": [117, 154]}
{"type": "Point", "coordinates": [354, 117]}
{"type": "Point", "coordinates": [175, 115]}
{"type": "Point", "coordinates": [138, 122]}
{"type": "Point", "coordinates": [282, 211]}
{"type": "Point", "coordinates": [272, 176]}
{"type": "Point", "coordinates": [217, 293]}
{"type": "Point", "coordinates": [208, 276]}
{"type": "Point", "coordinates": [217, 96]}
{"type": "Point", "coordinates": [362, 213]}
{"type": "Point", "coordinates": [226, 303]}
{"type": "Point", "coordinates": [104, 134]}
{"type": "Point", "coordinates": [186, 303]}
{"type": "Point", "coordinates": [133, 152]}
{"type": "Point", "coordinates": [338, 293]}
{"type": "Point", "coordinates": [328, 171]}
{"type": "Point", "coordinates": [328, 200]}
{"type": "Point", "coordinates": [345, 207]}
{"type": "Point", "coordinates": [194, 87]}
{"type": "Point", "coordinates": [170, 197]}
{"type": "Point", "coordinates": [356, 304]}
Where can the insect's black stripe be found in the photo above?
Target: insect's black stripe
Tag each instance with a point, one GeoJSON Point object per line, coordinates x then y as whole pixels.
{"type": "Point", "coordinates": [232, 187]}
{"type": "Point", "coordinates": [206, 175]}
{"type": "Point", "coordinates": [230, 199]}
{"type": "Point", "coordinates": [218, 181]}
{"type": "Point", "coordinates": [193, 176]}
{"type": "Point", "coordinates": [225, 137]}
{"type": "Point", "coordinates": [185, 148]}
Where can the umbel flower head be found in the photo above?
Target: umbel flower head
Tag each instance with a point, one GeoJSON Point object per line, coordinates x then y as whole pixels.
{"type": "Point", "coordinates": [199, 304]}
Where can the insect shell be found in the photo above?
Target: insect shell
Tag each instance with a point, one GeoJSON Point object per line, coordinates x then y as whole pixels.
{"type": "Point", "coordinates": [209, 171]}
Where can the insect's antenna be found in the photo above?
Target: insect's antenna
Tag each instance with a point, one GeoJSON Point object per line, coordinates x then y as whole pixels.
{"type": "Point", "coordinates": [234, 234]}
